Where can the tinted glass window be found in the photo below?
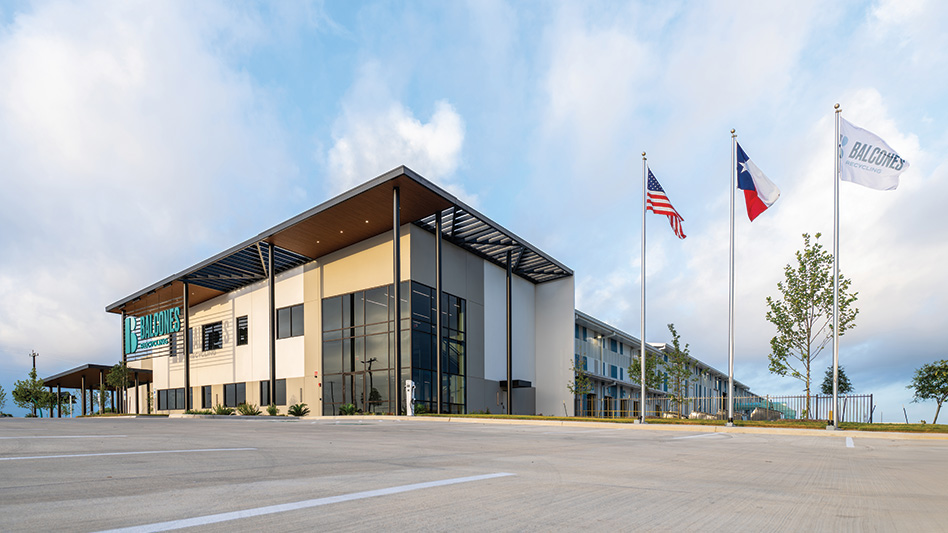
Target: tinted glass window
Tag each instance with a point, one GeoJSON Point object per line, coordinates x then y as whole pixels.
{"type": "Point", "coordinates": [242, 331]}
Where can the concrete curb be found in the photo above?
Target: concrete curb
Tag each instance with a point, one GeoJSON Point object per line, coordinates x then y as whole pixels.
{"type": "Point", "coordinates": [647, 427]}
{"type": "Point", "coordinates": [265, 418]}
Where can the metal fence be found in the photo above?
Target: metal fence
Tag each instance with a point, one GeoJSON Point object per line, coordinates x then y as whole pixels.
{"type": "Point", "coordinates": [852, 407]}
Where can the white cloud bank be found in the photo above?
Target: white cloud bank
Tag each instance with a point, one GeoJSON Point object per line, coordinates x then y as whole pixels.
{"type": "Point", "coordinates": [127, 143]}
{"type": "Point", "coordinates": [375, 133]}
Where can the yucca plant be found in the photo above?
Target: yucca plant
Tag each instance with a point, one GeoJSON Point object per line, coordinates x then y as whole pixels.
{"type": "Point", "coordinates": [221, 410]}
{"type": "Point", "coordinates": [299, 409]}
{"type": "Point", "coordinates": [248, 409]}
{"type": "Point", "coordinates": [272, 409]}
{"type": "Point", "coordinates": [347, 409]}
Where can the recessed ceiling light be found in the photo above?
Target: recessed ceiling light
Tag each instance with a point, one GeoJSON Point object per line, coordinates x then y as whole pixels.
{"type": "Point", "coordinates": [340, 231]}
{"type": "Point", "coordinates": [366, 221]}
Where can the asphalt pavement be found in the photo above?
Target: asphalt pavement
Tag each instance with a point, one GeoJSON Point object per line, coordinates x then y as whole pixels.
{"type": "Point", "coordinates": [395, 474]}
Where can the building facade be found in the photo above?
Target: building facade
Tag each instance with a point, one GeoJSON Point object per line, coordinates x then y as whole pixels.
{"type": "Point", "coordinates": [309, 311]}
{"type": "Point", "coordinates": [305, 313]}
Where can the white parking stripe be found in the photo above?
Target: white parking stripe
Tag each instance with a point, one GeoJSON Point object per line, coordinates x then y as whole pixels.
{"type": "Point", "coordinates": [65, 437]}
{"type": "Point", "coordinates": [124, 453]}
{"type": "Point", "coordinates": [849, 442]}
{"type": "Point", "coordinates": [271, 509]}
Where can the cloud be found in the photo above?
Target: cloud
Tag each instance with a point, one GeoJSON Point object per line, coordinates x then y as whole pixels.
{"type": "Point", "coordinates": [375, 133]}
{"type": "Point", "coordinates": [127, 150]}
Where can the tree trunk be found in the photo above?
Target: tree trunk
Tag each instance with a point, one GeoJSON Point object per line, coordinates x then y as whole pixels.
{"type": "Point", "coordinates": [935, 421]}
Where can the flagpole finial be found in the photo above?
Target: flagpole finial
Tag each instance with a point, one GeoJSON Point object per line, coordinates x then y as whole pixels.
{"type": "Point", "coordinates": [643, 154]}
{"type": "Point", "coordinates": [836, 107]}
{"type": "Point", "coordinates": [732, 131]}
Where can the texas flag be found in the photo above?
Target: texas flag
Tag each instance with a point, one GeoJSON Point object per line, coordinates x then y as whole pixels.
{"type": "Point", "coordinates": [759, 192]}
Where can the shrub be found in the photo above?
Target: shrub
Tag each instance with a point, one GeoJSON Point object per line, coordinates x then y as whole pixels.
{"type": "Point", "coordinates": [221, 410]}
{"type": "Point", "coordinates": [272, 410]}
{"type": "Point", "coordinates": [248, 409]}
{"type": "Point", "coordinates": [347, 409]}
{"type": "Point", "coordinates": [421, 408]}
{"type": "Point", "coordinates": [299, 409]}
{"type": "Point", "coordinates": [199, 412]}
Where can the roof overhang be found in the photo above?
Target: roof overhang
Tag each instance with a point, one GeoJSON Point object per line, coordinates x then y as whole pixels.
{"type": "Point", "coordinates": [72, 379]}
{"type": "Point", "coordinates": [356, 215]}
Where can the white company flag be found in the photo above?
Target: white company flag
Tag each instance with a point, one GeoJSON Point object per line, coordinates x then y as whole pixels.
{"type": "Point", "coordinates": [866, 159]}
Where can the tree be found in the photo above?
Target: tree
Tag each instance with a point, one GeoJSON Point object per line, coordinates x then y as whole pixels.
{"type": "Point", "coordinates": [845, 387]}
{"type": "Point", "coordinates": [581, 384]}
{"type": "Point", "coordinates": [931, 383]}
{"type": "Point", "coordinates": [679, 369]}
{"type": "Point", "coordinates": [30, 394]}
{"type": "Point", "coordinates": [119, 379]}
{"type": "Point", "coordinates": [804, 315]}
{"type": "Point", "coordinates": [3, 398]}
{"type": "Point", "coordinates": [653, 375]}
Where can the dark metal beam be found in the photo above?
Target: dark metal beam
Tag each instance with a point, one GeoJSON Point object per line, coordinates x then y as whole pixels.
{"type": "Point", "coordinates": [509, 337]}
{"type": "Point", "coordinates": [187, 348]}
{"type": "Point", "coordinates": [397, 288]}
{"type": "Point", "coordinates": [438, 289]}
{"type": "Point", "coordinates": [271, 289]}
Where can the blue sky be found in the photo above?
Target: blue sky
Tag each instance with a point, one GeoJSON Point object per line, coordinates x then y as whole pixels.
{"type": "Point", "coordinates": [138, 138]}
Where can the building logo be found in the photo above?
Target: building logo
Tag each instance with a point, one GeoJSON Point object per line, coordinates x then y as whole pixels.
{"type": "Point", "coordinates": [140, 332]}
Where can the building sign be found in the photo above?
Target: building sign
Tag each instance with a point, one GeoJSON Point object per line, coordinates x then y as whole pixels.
{"type": "Point", "coordinates": [140, 332]}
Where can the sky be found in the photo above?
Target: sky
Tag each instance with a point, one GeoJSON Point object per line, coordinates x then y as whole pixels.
{"type": "Point", "coordinates": [139, 138]}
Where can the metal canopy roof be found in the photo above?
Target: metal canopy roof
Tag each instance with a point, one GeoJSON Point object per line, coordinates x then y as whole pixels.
{"type": "Point", "coordinates": [352, 217]}
{"type": "Point", "coordinates": [244, 267]}
{"type": "Point", "coordinates": [481, 236]}
{"type": "Point", "coordinates": [72, 379]}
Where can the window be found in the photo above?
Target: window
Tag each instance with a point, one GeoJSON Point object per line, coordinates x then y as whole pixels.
{"type": "Point", "coordinates": [265, 392]}
{"type": "Point", "coordinates": [171, 399]}
{"type": "Point", "coordinates": [213, 335]}
{"type": "Point", "coordinates": [613, 345]}
{"type": "Point", "coordinates": [242, 335]}
{"type": "Point", "coordinates": [280, 392]}
{"type": "Point", "coordinates": [235, 394]}
{"type": "Point", "coordinates": [613, 371]}
{"type": "Point", "coordinates": [290, 321]}
{"type": "Point", "coordinates": [206, 397]}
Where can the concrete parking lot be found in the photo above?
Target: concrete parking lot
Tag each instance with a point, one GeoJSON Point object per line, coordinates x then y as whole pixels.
{"type": "Point", "coordinates": [435, 475]}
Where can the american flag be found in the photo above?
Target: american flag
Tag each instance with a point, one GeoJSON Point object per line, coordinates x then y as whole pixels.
{"type": "Point", "coordinates": [658, 203]}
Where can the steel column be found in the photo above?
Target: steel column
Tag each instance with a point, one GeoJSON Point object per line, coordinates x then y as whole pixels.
{"type": "Point", "coordinates": [271, 286]}
{"type": "Point", "coordinates": [438, 305]}
{"type": "Point", "coordinates": [187, 349]}
{"type": "Point", "coordinates": [397, 275]}
{"type": "Point", "coordinates": [59, 401]}
{"type": "Point", "coordinates": [509, 337]}
{"type": "Point", "coordinates": [124, 355]}
{"type": "Point", "coordinates": [101, 392]}
{"type": "Point", "coordinates": [82, 388]}
{"type": "Point", "coordinates": [137, 409]}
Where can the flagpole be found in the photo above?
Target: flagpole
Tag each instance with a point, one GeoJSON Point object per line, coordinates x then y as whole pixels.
{"type": "Point", "coordinates": [730, 296]}
{"type": "Point", "coordinates": [642, 319]}
{"type": "Point", "coordinates": [836, 272]}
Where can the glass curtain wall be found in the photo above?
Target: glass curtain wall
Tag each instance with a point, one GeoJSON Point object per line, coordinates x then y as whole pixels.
{"type": "Point", "coordinates": [424, 369]}
{"type": "Point", "coordinates": [359, 349]}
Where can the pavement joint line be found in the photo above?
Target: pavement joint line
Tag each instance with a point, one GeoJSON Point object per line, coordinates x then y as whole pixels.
{"type": "Point", "coordinates": [696, 436]}
{"type": "Point", "coordinates": [305, 504]}
{"type": "Point", "coordinates": [64, 437]}
{"type": "Point", "coordinates": [124, 453]}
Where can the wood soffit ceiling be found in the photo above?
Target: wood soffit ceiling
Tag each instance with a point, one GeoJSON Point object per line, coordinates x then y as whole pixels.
{"type": "Point", "coordinates": [352, 217]}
